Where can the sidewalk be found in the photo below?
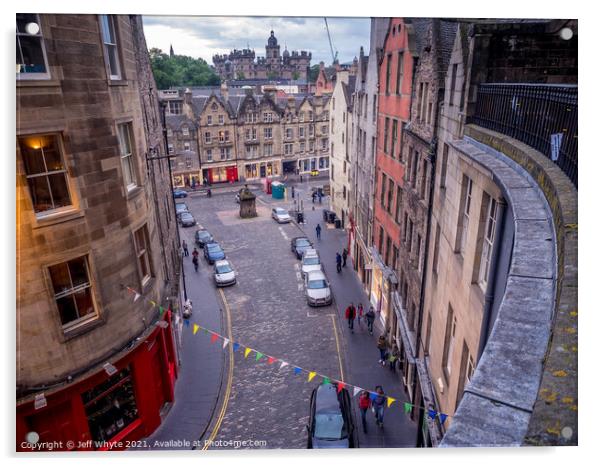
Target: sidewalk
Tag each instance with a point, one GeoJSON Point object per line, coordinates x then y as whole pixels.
{"type": "Point", "coordinates": [361, 354]}
{"type": "Point", "coordinates": [200, 373]}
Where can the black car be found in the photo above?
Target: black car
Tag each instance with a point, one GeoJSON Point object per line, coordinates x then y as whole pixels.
{"type": "Point", "coordinates": [299, 244]}
{"type": "Point", "coordinates": [330, 419]}
{"type": "Point", "coordinates": [202, 237]}
{"type": "Point", "coordinates": [179, 193]}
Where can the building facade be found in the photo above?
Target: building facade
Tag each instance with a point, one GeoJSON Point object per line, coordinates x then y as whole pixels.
{"type": "Point", "coordinates": [242, 64]}
{"type": "Point", "coordinates": [94, 210]}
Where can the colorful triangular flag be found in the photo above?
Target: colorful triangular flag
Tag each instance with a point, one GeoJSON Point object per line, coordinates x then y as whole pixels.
{"type": "Point", "coordinates": [137, 297]}
{"type": "Point", "coordinates": [432, 414]}
{"type": "Point", "coordinates": [311, 376]}
{"type": "Point", "coordinates": [340, 387]}
{"type": "Point", "coordinates": [214, 338]}
{"type": "Point", "coordinates": [187, 322]}
{"type": "Point", "coordinates": [356, 390]}
{"type": "Point", "coordinates": [247, 351]}
{"type": "Point", "coordinates": [325, 380]}
{"type": "Point", "coordinates": [442, 417]}
{"type": "Point", "coordinates": [195, 328]}
{"type": "Point", "coordinates": [372, 396]}
{"type": "Point", "coordinates": [407, 408]}
{"type": "Point", "coordinates": [283, 364]}
{"type": "Point", "coordinates": [226, 341]}
{"type": "Point", "coordinates": [390, 401]}
{"type": "Point", "coordinates": [161, 310]}
{"type": "Point", "coordinates": [271, 360]}
{"type": "Point", "coordinates": [235, 346]}
{"type": "Point", "coordinates": [152, 302]}
{"type": "Point", "coordinates": [297, 370]}
{"type": "Point", "coordinates": [258, 356]}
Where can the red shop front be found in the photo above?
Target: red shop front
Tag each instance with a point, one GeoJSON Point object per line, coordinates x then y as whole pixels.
{"type": "Point", "coordinates": [102, 412]}
{"type": "Point", "coordinates": [227, 174]}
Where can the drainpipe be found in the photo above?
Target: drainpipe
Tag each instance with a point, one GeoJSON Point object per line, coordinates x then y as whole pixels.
{"type": "Point", "coordinates": [493, 276]}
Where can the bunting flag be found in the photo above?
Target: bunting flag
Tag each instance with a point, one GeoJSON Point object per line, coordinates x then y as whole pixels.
{"type": "Point", "coordinates": [407, 407]}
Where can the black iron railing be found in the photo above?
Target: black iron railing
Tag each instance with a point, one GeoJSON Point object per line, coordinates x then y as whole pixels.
{"type": "Point", "coordinates": [544, 116]}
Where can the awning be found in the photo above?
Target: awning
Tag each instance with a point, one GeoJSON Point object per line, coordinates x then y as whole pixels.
{"type": "Point", "coordinates": [430, 401]}
{"type": "Point", "coordinates": [404, 331]}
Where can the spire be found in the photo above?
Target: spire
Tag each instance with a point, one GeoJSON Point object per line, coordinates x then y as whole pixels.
{"type": "Point", "coordinates": [171, 54]}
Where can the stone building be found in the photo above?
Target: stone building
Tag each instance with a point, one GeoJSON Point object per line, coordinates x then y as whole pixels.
{"type": "Point", "coordinates": [242, 64]}
{"type": "Point", "coordinates": [94, 216]}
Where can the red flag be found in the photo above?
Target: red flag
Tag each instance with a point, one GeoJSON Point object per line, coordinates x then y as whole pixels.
{"type": "Point", "coordinates": [214, 338]}
{"type": "Point", "coordinates": [270, 360]}
{"type": "Point", "coordinates": [340, 387]}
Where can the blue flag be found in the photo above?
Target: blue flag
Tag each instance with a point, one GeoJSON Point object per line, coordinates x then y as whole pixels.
{"type": "Point", "coordinates": [297, 370]}
{"type": "Point", "coordinates": [187, 322]}
{"type": "Point", "coordinates": [235, 346]}
{"type": "Point", "coordinates": [432, 414]}
{"type": "Point", "coordinates": [442, 417]}
{"type": "Point", "coordinates": [373, 396]}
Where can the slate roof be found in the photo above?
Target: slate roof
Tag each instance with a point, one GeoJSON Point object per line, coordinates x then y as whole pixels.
{"type": "Point", "coordinates": [445, 36]}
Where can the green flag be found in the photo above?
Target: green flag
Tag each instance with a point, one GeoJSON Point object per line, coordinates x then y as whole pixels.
{"type": "Point", "coordinates": [258, 356]}
{"type": "Point", "coordinates": [407, 407]}
{"type": "Point", "coordinates": [326, 380]}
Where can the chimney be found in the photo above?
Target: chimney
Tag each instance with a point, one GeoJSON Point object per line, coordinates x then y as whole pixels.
{"type": "Point", "coordinates": [188, 96]}
{"type": "Point", "coordinates": [224, 90]}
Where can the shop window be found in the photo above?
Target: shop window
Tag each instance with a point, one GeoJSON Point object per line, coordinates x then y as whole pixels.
{"type": "Point", "coordinates": [143, 253]}
{"type": "Point", "coordinates": [45, 172]}
{"type": "Point", "coordinates": [109, 38]}
{"type": "Point", "coordinates": [72, 291]}
{"type": "Point", "coordinates": [31, 53]}
{"type": "Point", "coordinates": [111, 406]}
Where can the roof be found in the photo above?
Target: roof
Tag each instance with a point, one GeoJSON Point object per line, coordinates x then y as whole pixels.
{"type": "Point", "coordinates": [445, 36]}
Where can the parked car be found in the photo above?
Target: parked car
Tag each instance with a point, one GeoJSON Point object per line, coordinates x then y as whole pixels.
{"type": "Point", "coordinates": [187, 220]}
{"type": "Point", "coordinates": [213, 252]}
{"type": "Point", "coordinates": [179, 193]}
{"type": "Point", "coordinates": [280, 215]}
{"type": "Point", "coordinates": [310, 261]}
{"type": "Point", "coordinates": [317, 289]}
{"type": "Point", "coordinates": [299, 244]}
{"type": "Point", "coordinates": [181, 207]}
{"type": "Point", "coordinates": [330, 419]}
{"type": "Point", "coordinates": [202, 236]}
{"type": "Point", "coordinates": [223, 273]}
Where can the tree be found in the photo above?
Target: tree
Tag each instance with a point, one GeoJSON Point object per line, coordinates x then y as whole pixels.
{"type": "Point", "coordinates": [180, 70]}
{"type": "Point", "coordinates": [313, 73]}
{"type": "Point", "coordinates": [296, 75]}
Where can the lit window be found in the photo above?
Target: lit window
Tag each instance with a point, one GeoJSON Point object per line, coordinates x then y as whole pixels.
{"type": "Point", "coordinates": [45, 172]}
{"type": "Point", "coordinates": [72, 291]}
{"type": "Point", "coordinates": [109, 37]}
{"type": "Point", "coordinates": [125, 148]}
{"type": "Point", "coordinates": [31, 53]}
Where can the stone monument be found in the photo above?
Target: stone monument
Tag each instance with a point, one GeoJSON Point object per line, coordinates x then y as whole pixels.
{"type": "Point", "coordinates": [247, 203]}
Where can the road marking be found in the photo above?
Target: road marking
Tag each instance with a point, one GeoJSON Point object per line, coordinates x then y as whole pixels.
{"type": "Point", "coordinates": [283, 233]}
{"type": "Point", "coordinates": [298, 275]}
{"type": "Point", "coordinates": [222, 413]}
{"type": "Point", "coordinates": [336, 338]}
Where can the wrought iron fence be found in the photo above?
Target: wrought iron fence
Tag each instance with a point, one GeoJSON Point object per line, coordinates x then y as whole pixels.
{"type": "Point", "coordinates": [544, 116]}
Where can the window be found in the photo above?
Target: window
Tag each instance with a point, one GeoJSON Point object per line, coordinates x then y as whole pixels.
{"type": "Point", "coordinates": [399, 73]}
{"type": "Point", "coordinates": [247, 134]}
{"type": "Point", "coordinates": [387, 250]}
{"type": "Point", "coordinates": [452, 87]}
{"type": "Point", "coordinates": [324, 144]}
{"type": "Point", "coordinates": [301, 131]}
{"type": "Point", "coordinates": [109, 37]}
{"type": "Point", "coordinates": [448, 348]}
{"type": "Point", "coordinates": [267, 133]}
{"type": "Point", "coordinates": [302, 117]}
{"type": "Point", "coordinates": [209, 156]}
{"type": "Point", "coordinates": [223, 154]}
{"type": "Point", "coordinates": [466, 371]}
{"type": "Point", "coordinates": [429, 116]}
{"type": "Point", "coordinates": [72, 291]}
{"type": "Point", "coordinates": [311, 116]}
{"type": "Point", "coordinates": [267, 117]}
{"type": "Point", "coordinates": [175, 107]}
{"type": "Point", "coordinates": [311, 146]}
{"type": "Point", "coordinates": [45, 172]}
{"type": "Point", "coordinates": [420, 94]}
{"type": "Point", "coordinates": [386, 140]}
{"type": "Point", "coordinates": [311, 131]}
{"type": "Point", "coordinates": [405, 227]}
{"type": "Point", "coordinates": [220, 119]}
{"type": "Point", "coordinates": [324, 129]}
{"type": "Point", "coordinates": [415, 169]}
{"type": "Point", "coordinates": [423, 179]}
{"type": "Point", "coordinates": [390, 195]}
{"type": "Point", "coordinates": [410, 235]}
{"type": "Point", "coordinates": [169, 132]}
{"type": "Point", "coordinates": [418, 250]}
{"type": "Point", "coordinates": [388, 77]}
{"type": "Point", "coordinates": [207, 137]}
{"type": "Point", "coordinates": [393, 137]}
{"type": "Point", "coordinates": [254, 134]}
{"type": "Point", "coordinates": [374, 115]}
{"type": "Point", "coordinates": [222, 136]}
{"type": "Point", "coordinates": [464, 216]}
{"type": "Point", "coordinates": [169, 148]}
{"type": "Point", "coordinates": [185, 131]}
{"type": "Point", "coordinates": [289, 133]}
{"type": "Point", "coordinates": [31, 52]}
{"type": "Point", "coordinates": [381, 241]}
{"type": "Point", "coordinates": [188, 162]}
{"type": "Point", "coordinates": [444, 166]}
{"type": "Point", "coordinates": [302, 147]}
{"type": "Point", "coordinates": [141, 243]}
{"type": "Point", "coordinates": [487, 249]}
{"type": "Point", "coordinates": [288, 149]}
{"type": "Point", "coordinates": [398, 205]}
{"type": "Point", "coordinates": [209, 120]}
{"type": "Point", "coordinates": [436, 250]}
{"type": "Point", "coordinates": [394, 258]}
{"type": "Point", "coordinates": [383, 187]}
{"type": "Point", "coordinates": [267, 149]}
{"type": "Point", "coordinates": [343, 138]}
{"type": "Point", "coordinates": [344, 192]}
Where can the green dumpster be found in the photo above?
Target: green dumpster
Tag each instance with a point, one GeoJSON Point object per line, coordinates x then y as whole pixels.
{"type": "Point", "coordinates": [277, 190]}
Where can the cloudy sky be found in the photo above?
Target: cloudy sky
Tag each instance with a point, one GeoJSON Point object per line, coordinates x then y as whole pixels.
{"type": "Point", "coordinates": [204, 36]}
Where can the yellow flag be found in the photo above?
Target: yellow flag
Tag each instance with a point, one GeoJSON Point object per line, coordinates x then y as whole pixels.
{"type": "Point", "coordinates": [311, 376]}
{"type": "Point", "coordinates": [153, 303]}
{"type": "Point", "coordinates": [247, 351]}
{"type": "Point", "coordinates": [195, 328]}
{"type": "Point", "coordinates": [390, 401]}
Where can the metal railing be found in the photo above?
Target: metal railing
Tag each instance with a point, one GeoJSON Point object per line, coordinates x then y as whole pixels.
{"type": "Point", "coordinates": [544, 116]}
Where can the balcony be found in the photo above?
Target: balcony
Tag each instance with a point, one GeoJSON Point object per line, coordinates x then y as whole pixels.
{"type": "Point", "coordinates": [533, 113]}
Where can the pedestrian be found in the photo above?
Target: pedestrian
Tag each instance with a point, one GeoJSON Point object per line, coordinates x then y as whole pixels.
{"type": "Point", "coordinates": [350, 316]}
{"type": "Point", "coordinates": [360, 314]}
{"type": "Point", "coordinates": [393, 357]}
{"type": "Point", "coordinates": [313, 197]}
{"type": "Point", "coordinates": [370, 316]}
{"type": "Point", "coordinates": [364, 407]}
{"type": "Point", "coordinates": [185, 248]}
{"type": "Point", "coordinates": [379, 405]}
{"type": "Point", "coordinates": [195, 254]}
{"type": "Point", "coordinates": [293, 191]}
{"type": "Point", "coordinates": [339, 261]}
{"type": "Point", "coordinates": [382, 347]}
{"type": "Point", "coordinates": [345, 252]}
{"type": "Point", "coordinates": [320, 196]}
{"type": "Point", "coordinates": [318, 230]}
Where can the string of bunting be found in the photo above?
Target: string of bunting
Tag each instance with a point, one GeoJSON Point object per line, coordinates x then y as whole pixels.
{"type": "Point", "coordinates": [407, 407]}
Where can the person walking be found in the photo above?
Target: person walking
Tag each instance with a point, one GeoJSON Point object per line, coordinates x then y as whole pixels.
{"type": "Point", "coordinates": [339, 261]}
{"type": "Point", "coordinates": [379, 406]}
{"type": "Point", "coordinates": [313, 197]}
{"type": "Point", "coordinates": [185, 248]}
{"type": "Point", "coordinates": [370, 316]}
{"type": "Point", "coordinates": [360, 314]}
{"type": "Point", "coordinates": [382, 347]}
{"type": "Point", "coordinates": [365, 404]}
{"type": "Point", "coordinates": [345, 252]}
{"type": "Point", "coordinates": [293, 192]}
{"type": "Point", "coordinates": [318, 230]}
{"type": "Point", "coordinates": [393, 357]}
{"type": "Point", "coordinates": [350, 316]}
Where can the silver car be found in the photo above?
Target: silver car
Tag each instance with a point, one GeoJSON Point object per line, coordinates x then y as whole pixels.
{"type": "Point", "coordinates": [187, 220]}
{"type": "Point", "coordinates": [317, 289]}
{"type": "Point", "coordinates": [280, 215]}
{"type": "Point", "coordinates": [223, 273]}
{"type": "Point", "coordinates": [310, 261]}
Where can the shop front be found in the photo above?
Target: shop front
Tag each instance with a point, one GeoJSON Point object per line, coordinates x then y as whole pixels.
{"type": "Point", "coordinates": [261, 169]}
{"type": "Point", "coordinates": [110, 408]}
{"type": "Point", "coordinates": [314, 164]}
{"type": "Point", "coordinates": [383, 280]}
{"type": "Point", "coordinates": [225, 174]}
{"type": "Point", "coordinates": [190, 179]}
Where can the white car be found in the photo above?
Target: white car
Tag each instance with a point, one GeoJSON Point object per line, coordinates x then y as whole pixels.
{"type": "Point", "coordinates": [223, 273]}
{"type": "Point", "coordinates": [310, 262]}
{"type": "Point", "coordinates": [317, 289]}
{"type": "Point", "coordinates": [280, 215]}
